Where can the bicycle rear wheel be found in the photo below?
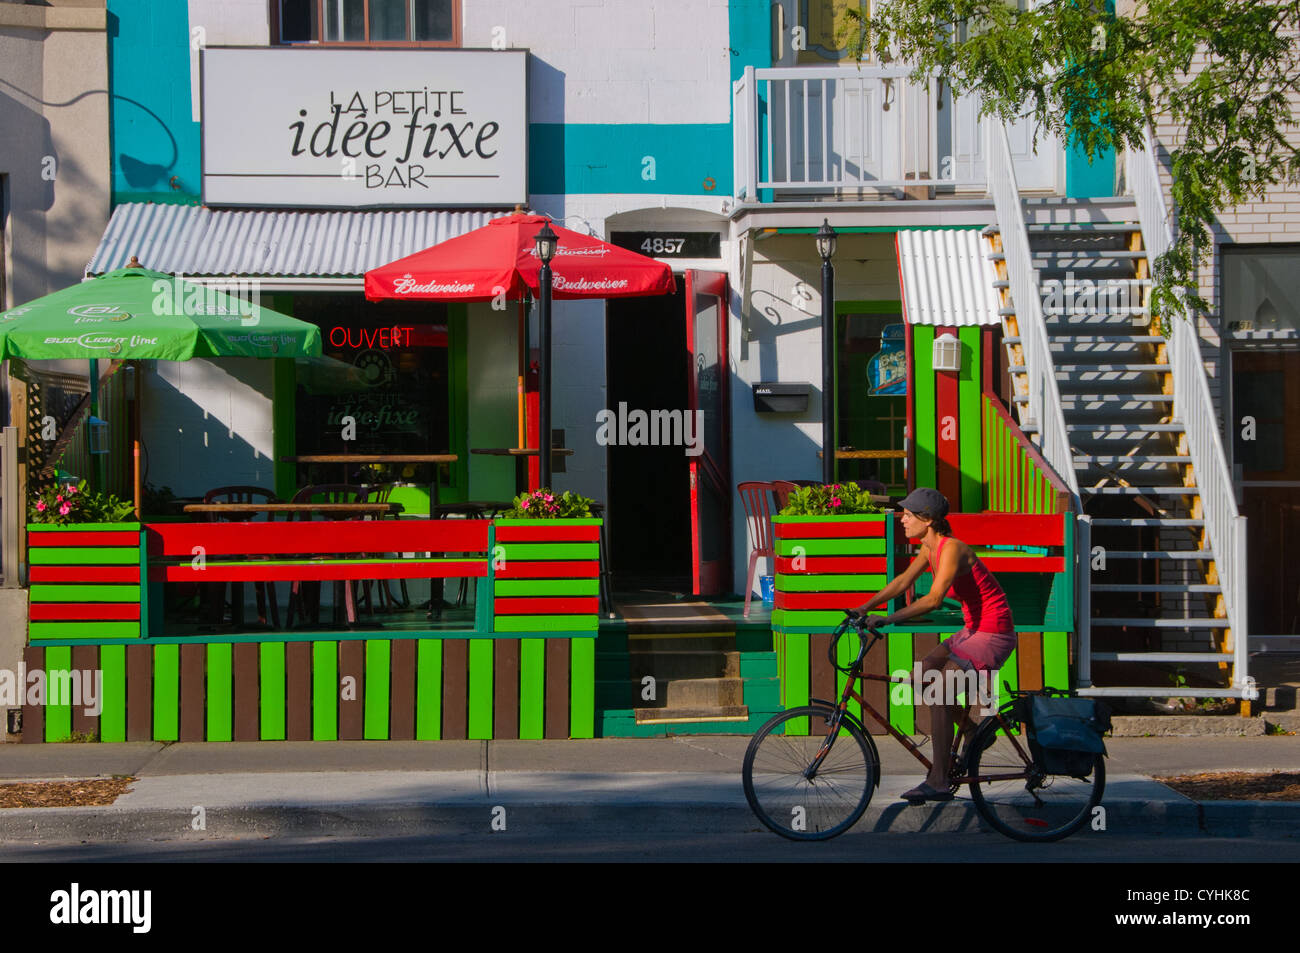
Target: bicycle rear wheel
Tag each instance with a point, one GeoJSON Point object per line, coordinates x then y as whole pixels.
{"type": "Point", "coordinates": [1021, 800]}
{"type": "Point", "coordinates": [786, 800]}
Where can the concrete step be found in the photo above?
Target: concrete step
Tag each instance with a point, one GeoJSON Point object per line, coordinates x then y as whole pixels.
{"type": "Point", "coordinates": [691, 693]}
{"type": "Point", "coordinates": [660, 716]}
{"type": "Point", "coordinates": [669, 665]}
{"type": "Point", "coordinates": [1162, 623]}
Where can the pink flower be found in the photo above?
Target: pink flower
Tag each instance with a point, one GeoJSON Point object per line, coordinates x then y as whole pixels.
{"type": "Point", "coordinates": [40, 506]}
{"type": "Point", "coordinates": [835, 501]}
{"type": "Point", "coordinates": [524, 504]}
{"type": "Point", "coordinates": [59, 499]}
{"type": "Point", "coordinates": [72, 490]}
{"type": "Point", "coordinates": [549, 498]}
{"type": "Point", "coordinates": [64, 509]}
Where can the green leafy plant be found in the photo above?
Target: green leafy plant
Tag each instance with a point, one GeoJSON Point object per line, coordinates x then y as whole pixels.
{"type": "Point", "coordinates": [1222, 72]}
{"type": "Point", "coordinates": [68, 503]}
{"type": "Point", "coordinates": [835, 499]}
{"type": "Point", "coordinates": [545, 505]}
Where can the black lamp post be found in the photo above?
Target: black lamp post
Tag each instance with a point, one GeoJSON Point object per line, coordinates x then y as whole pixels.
{"type": "Point", "coordinates": [546, 241]}
{"type": "Point", "coordinates": [826, 248]}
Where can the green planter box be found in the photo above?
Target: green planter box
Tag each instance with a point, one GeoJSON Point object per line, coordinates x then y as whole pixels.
{"type": "Point", "coordinates": [546, 575]}
{"type": "Point", "coordinates": [826, 564]}
{"type": "Point", "coordinates": [86, 581]}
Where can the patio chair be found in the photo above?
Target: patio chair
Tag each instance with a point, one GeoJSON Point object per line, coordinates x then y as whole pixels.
{"type": "Point", "coordinates": [325, 493]}
{"type": "Point", "coordinates": [380, 493]}
{"type": "Point", "coordinates": [265, 591]}
{"type": "Point", "coordinates": [754, 495]}
{"type": "Point", "coordinates": [782, 489]}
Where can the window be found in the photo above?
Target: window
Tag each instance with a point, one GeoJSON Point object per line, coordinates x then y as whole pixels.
{"type": "Point", "coordinates": [811, 32]}
{"type": "Point", "coordinates": [368, 22]}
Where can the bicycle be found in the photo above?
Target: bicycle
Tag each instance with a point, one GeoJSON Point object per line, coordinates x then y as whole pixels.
{"type": "Point", "coordinates": [817, 787]}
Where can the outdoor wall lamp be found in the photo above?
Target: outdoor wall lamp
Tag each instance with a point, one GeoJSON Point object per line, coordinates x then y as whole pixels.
{"type": "Point", "coordinates": [97, 434]}
{"type": "Point", "coordinates": [946, 355]}
{"type": "Point", "coordinates": [826, 248]}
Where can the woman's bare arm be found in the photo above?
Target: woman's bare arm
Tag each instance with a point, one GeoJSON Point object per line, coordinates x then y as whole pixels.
{"type": "Point", "coordinates": [944, 575]}
{"type": "Point", "coordinates": [899, 584]}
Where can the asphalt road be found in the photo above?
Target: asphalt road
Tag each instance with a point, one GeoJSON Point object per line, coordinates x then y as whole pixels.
{"type": "Point", "coordinates": [756, 847]}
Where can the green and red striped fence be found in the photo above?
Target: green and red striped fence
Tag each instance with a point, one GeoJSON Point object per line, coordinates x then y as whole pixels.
{"type": "Point", "coordinates": [546, 575]}
{"type": "Point", "coordinates": [321, 690]}
{"type": "Point", "coordinates": [525, 670]}
{"type": "Point", "coordinates": [85, 581]}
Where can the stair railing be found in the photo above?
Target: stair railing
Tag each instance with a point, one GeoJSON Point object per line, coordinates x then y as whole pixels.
{"type": "Point", "coordinates": [1044, 396]}
{"type": "Point", "coordinates": [1225, 527]}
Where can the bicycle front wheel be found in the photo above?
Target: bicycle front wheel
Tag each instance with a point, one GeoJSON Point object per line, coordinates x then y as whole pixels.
{"type": "Point", "coordinates": [791, 798]}
{"type": "Point", "coordinates": [1018, 798]}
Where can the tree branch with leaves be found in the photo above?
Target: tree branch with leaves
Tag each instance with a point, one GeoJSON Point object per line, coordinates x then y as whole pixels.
{"type": "Point", "coordinates": [1221, 71]}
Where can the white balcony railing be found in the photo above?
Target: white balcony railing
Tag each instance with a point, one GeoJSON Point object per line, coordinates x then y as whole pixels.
{"type": "Point", "coordinates": [834, 130]}
{"type": "Point", "coordinates": [1044, 396]}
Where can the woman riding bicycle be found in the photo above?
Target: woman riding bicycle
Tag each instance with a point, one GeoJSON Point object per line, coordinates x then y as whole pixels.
{"type": "Point", "coordinates": [985, 643]}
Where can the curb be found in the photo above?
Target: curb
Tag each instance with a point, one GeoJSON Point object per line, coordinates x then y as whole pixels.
{"type": "Point", "coordinates": [63, 825]}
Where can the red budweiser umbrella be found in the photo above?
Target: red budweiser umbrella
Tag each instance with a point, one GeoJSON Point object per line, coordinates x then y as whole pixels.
{"type": "Point", "coordinates": [501, 257]}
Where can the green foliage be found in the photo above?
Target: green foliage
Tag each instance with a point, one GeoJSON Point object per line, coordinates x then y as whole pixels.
{"type": "Point", "coordinates": [1220, 71]}
{"type": "Point", "coordinates": [836, 499]}
{"type": "Point", "coordinates": [544, 505]}
{"type": "Point", "coordinates": [63, 504]}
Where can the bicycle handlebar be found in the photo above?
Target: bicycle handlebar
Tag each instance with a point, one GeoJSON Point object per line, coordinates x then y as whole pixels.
{"type": "Point", "coordinates": [857, 623]}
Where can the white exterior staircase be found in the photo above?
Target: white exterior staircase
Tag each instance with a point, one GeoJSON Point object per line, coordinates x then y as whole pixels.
{"type": "Point", "coordinates": [1156, 606]}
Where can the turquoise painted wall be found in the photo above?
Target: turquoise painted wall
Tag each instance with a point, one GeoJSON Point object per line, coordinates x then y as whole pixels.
{"type": "Point", "coordinates": [154, 137]}
{"type": "Point", "coordinates": [689, 159]}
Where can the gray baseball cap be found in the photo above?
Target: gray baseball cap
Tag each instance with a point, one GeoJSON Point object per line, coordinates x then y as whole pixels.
{"type": "Point", "coordinates": [925, 502]}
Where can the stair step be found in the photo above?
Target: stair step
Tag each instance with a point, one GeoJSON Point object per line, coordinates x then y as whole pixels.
{"type": "Point", "coordinates": [661, 716]}
{"type": "Point", "coordinates": [1136, 691]}
{"type": "Point", "coordinates": [1159, 554]}
{"type": "Point", "coordinates": [1166, 657]}
{"type": "Point", "coordinates": [1107, 338]}
{"type": "Point", "coordinates": [1059, 228]}
{"type": "Point", "coordinates": [1112, 368]}
{"type": "Point", "coordinates": [1142, 490]}
{"type": "Point", "coordinates": [1139, 587]}
{"type": "Point", "coordinates": [1163, 623]}
{"type": "Point", "coordinates": [1094, 458]}
{"type": "Point", "coordinates": [1073, 312]}
{"type": "Point", "coordinates": [1169, 522]}
{"type": "Point", "coordinates": [1112, 253]}
{"type": "Point", "coordinates": [1124, 430]}
{"type": "Point", "coordinates": [1104, 398]}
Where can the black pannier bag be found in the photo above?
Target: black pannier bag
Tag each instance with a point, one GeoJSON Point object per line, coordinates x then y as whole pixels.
{"type": "Point", "coordinates": [1065, 734]}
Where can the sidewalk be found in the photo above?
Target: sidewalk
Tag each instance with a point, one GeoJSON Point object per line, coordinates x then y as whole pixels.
{"type": "Point", "coordinates": [682, 783]}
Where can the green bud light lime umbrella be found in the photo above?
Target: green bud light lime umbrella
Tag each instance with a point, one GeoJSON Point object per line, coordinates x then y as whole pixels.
{"type": "Point", "coordinates": [137, 314]}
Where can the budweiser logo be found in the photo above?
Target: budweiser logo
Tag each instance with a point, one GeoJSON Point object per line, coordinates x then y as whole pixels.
{"type": "Point", "coordinates": [585, 284]}
{"type": "Point", "coordinates": [406, 285]}
{"type": "Point", "coordinates": [594, 251]}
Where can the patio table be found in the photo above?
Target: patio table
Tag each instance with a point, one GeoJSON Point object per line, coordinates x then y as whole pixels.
{"type": "Point", "coordinates": [520, 453]}
{"type": "Point", "coordinates": [376, 509]}
{"type": "Point", "coordinates": [347, 458]}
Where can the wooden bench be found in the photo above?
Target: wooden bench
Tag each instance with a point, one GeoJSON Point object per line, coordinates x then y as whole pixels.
{"type": "Point", "coordinates": [272, 552]}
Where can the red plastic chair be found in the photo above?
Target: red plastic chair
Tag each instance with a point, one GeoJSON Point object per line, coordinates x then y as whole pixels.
{"type": "Point", "coordinates": [782, 489]}
{"type": "Point", "coordinates": [754, 495]}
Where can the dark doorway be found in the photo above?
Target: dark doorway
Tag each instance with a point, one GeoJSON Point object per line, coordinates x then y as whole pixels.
{"type": "Point", "coordinates": [649, 485]}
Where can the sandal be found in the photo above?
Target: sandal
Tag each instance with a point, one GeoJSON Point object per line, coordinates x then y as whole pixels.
{"type": "Point", "coordinates": [924, 792]}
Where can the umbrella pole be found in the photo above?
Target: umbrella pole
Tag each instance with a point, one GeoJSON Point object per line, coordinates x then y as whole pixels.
{"type": "Point", "coordinates": [544, 380]}
{"type": "Point", "coordinates": [137, 371]}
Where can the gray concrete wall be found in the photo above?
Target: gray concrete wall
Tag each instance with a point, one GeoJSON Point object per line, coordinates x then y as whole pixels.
{"type": "Point", "coordinates": [13, 636]}
{"type": "Point", "coordinates": [54, 155]}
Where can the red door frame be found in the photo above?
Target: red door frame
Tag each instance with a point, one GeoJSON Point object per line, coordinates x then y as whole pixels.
{"type": "Point", "coordinates": [710, 578]}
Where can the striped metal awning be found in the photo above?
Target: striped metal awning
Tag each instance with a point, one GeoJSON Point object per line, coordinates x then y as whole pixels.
{"type": "Point", "coordinates": [261, 243]}
{"type": "Point", "coordinates": [947, 278]}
